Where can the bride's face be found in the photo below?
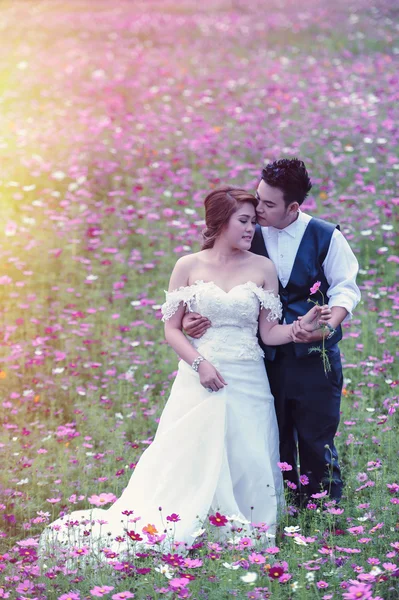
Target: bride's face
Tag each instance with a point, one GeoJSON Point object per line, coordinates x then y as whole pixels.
{"type": "Point", "coordinates": [240, 228]}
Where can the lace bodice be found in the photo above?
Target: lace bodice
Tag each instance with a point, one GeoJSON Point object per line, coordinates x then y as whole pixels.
{"type": "Point", "coordinates": [234, 317]}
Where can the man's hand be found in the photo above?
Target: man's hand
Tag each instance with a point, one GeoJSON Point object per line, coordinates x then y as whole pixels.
{"type": "Point", "coordinates": [308, 328]}
{"type": "Point", "coordinates": [302, 336]}
{"type": "Point", "coordinates": [195, 325]}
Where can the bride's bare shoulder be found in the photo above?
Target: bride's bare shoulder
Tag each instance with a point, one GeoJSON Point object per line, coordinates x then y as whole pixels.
{"type": "Point", "coordinates": [263, 263]}
{"type": "Point", "coordinates": [183, 268]}
{"type": "Point", "coordinates": [188, 261]}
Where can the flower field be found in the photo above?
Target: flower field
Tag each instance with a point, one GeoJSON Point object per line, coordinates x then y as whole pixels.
{"type": "Point", "coordinates": [116, 119]}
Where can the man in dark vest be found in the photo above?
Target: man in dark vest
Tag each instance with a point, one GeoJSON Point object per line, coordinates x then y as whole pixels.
{"type": "Point", "coordinates": [304, 250]}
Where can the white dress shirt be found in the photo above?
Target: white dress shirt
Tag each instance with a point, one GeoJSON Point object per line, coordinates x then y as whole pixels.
{"type": "Point", "coordinates": [340, 265]}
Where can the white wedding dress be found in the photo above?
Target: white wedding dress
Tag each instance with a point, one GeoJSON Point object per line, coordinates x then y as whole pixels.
{"type": "Point", "coordinates": [212, 451]}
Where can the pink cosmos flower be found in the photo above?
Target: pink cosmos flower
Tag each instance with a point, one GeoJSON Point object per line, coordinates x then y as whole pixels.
{"type": "Point", "coordinates": [101, 499]}
{"type": "Point", "coordinates": [304, 480]}
{"type": "Point", "coordinates": [389, 566]}
{"type": "Point", "coordinates": [315, 287]}
{"type": "Point", "coordinates": [283, 466]}
{"type": "Point", "coordinates": [80, 551]}
{"type": "Point", "coordinates": [122, 596]}
{"type": "Point", "coordinates": [102, 590]}
{"type": "Point", "coordinates": [273, 550]}
{"type": "Point", "coordinates": [178, 583]}
{"type": "Point", "coordinates": [358, 529]}
{"type": "Point", "coordinates": [193, 563]}
{"type": "Point", "coordinates": [358, 591]}
{"type": "Point", "coordinates": [70, 596]}
{"type": "Point", "coordinates": [335, 511]}
{"type": "Point", "coordinates": [245, 542]}
{"type": "Point", "coordinates": [319, 495]}
{"type": "Point", "coordinates": [322, 585]}
{"type": "Point", "coordinates": [255, 558]}
{"type": "Point", "coordinates": [25, 587]}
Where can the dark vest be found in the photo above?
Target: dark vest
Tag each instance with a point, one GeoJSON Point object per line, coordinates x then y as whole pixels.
{"type": "Point", "coordinates": [306, 271]}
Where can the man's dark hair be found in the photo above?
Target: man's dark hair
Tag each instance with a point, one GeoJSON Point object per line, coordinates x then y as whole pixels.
{"type": "Point", "coordinates": [290, 176]}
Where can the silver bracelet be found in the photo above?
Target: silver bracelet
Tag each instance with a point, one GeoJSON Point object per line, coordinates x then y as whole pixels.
{"type": "Point", "coordinates": [196, 363]}
{"type": "Point", "coordinates": [331, 330]}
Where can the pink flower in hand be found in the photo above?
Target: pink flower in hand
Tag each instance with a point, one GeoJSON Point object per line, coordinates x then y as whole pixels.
{"type": "Point", "coordinates": [315, 287]}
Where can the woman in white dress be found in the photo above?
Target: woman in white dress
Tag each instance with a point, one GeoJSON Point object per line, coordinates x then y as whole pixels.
{"type": "Point", "coordinates": [216, 447]}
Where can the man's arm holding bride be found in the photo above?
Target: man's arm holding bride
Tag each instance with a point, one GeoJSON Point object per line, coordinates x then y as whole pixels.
{"type": "Point", "coordinates": [274, 334]}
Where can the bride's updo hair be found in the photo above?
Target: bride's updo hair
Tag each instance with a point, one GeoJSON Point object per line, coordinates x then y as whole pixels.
{"type": "Point", "coordinates": [219, 206]}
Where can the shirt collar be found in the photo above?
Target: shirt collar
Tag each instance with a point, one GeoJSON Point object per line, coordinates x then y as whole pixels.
{"type": "Point", "coordinates": [290, 229]}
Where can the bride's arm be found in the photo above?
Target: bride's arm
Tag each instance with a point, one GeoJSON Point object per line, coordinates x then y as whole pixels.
{"type": "Point", "coordinates": [173, 326]}
{"type": "Point", "coordinates": [271, 332]}
{"type": "Point", "coordinates": [209, 376]}
{"type": "Point", "coordinates": [274, 334]}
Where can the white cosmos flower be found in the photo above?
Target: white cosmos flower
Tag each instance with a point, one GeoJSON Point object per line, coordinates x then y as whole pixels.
{"type": "Point", "coordinates": [249, 577]}
{"type": "Point", "coordinates": [292, 529]}
{"type": "Point", "coordinates": [299, 541]}
{"type": "Point", "coordinates": [231, 566]}
{"type": "Point", "coordinates": [239, 519]}
{"type": "Point", "coordinates": [198, 533]}
{"type": "Point", "coordinates": [165, 570]}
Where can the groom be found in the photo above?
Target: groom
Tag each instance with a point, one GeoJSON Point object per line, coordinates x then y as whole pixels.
{"type": "Point", "coordinates": [304, 250]}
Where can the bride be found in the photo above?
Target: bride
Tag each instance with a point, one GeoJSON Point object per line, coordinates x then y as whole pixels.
{"type": "Point", "coordinates": [216, 447]}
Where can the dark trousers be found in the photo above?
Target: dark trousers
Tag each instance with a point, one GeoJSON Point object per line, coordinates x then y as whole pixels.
{"type": "Point", "coordinates": [308, 409]}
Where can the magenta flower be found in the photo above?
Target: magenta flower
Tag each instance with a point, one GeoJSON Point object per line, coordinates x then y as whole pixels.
{"type": "Point", "coordinates": [70, 596]}
{"type": "Point", "coordinates": [122, 596]}
{"type": "Point", "coordinates": [304, 479]}
{"type": "Point", "coordinates": [218, 520]}
{"type": "Point", "coordinates": [276, 572]}
{"type": "Point", "coordinates": [173, 518]}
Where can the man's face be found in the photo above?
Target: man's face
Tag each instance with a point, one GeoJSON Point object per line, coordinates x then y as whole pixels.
{"type": "Point", "coordinates": [271, 210]}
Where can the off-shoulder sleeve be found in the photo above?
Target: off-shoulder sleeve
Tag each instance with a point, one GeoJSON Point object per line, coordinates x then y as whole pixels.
{"type": "Point", "coordinates": [270, 302]}
{"type": "Point", "coordinates": [174, 299]}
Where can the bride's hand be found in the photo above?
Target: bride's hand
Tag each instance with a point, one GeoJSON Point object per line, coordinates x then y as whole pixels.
{"type": "Point", "coordinates": [210, 377]}
{"type": "Point", "coordinates": [315, 318]}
